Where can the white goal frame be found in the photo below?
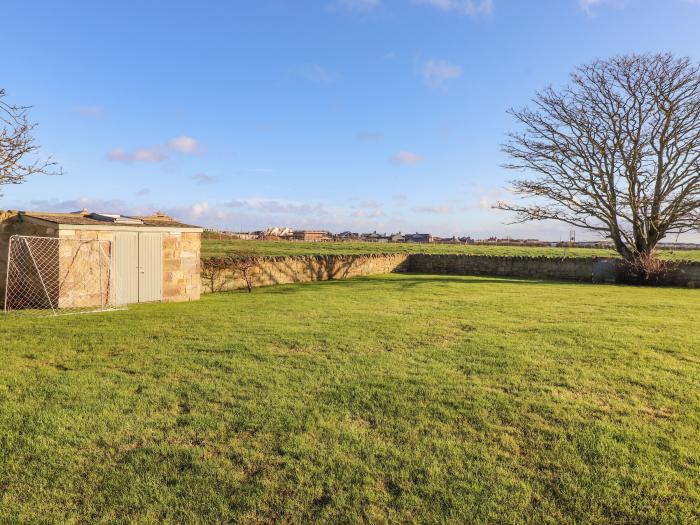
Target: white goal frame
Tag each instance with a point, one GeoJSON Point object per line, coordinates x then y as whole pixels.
{"type": "Point", "coordinates": [60, 276]}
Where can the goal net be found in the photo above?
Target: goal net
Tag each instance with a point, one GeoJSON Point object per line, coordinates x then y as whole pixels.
{"type": "Point", "coordinates": [54, 276]}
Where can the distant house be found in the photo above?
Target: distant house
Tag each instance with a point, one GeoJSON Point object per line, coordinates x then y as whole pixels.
{"type": "Point", "coordinates": [419, 237]}
{"type": "Point", "coordinates": [347, 236]}
{"type": "Point", "coordinates": [396, 237]}
{"type": "Point", "coordinates": [448, 240]}
{"type": "Point", "coordinates": [278, 232]}
{"type": "Point", "coordinates": [375, 237]}
{"type": "Point", "coordinates": [311, 235]}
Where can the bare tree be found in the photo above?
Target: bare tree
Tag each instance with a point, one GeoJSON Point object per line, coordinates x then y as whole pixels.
{"type": "Point", "coordinates": [220, 272]}
{"type": "Point", "coordinates": [17, 148]}
{"type": "Point", "coordinates": [242, 262]}
{"type": "Point", "coordinates": [215, 273]}
{"type": "Point", "coordinates": [617, 152]}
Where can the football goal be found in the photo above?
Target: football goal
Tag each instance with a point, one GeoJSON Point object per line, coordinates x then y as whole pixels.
{"type": "Point", "coordinates": [59, 276]}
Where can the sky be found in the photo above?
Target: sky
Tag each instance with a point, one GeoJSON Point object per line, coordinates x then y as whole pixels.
{"type": "Point", "coordinates": [359, 115]}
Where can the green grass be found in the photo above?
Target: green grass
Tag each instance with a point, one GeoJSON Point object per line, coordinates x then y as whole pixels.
{"type": "Point", "coordinates": [392, 399]}
{"type": "Point", "coordinates": [212, 248]}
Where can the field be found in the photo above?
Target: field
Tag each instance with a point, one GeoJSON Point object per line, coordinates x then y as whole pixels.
{"type": "Point", "coordinates": [212, 248]}
{"type": "Point", "coordinates": [390, 399]}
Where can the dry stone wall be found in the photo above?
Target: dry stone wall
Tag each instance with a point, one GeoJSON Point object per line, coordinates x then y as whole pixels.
{"type": "Point", "coordinates": [281, 270]}
{"type": "Point", "coordinates": [300, 269]}
{"type": "Point", "coordinates": [571, 269]}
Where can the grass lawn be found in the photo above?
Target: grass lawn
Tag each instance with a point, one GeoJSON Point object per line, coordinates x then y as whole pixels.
{"type": "Point", "coordinates": [391, 399]}
{"type": "Point", "coordinates": [212, 248]}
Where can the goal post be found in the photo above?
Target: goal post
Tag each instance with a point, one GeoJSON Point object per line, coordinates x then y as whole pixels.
{"type": "Point", "coordinates": [58, 276]}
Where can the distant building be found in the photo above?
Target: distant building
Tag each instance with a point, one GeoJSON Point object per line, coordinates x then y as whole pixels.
{"type": "Point", "coordinates": [347, 236]}
{"type": "Point", "coordinates": [396, 237]}
{"type": "Point", "coordinates": [311, 235]}
{"type": "Point", "coordinates": [375, 237]}
{"type": "Point", "coordinates": [448, 240]}
{"type": "Point", "coordinates": [277, 232]}
{"type": "Point", "coordinates": [419, 237]}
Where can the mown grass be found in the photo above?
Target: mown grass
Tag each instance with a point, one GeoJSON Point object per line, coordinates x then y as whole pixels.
{"type": "Point", "coordinates": [213, 248]}
{"type": "Point", "coordinates": [391, 399]}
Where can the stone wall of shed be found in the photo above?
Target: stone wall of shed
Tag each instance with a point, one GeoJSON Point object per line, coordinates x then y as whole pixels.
{"type": "Point", "coordinates": [84, 269]}
{"type": "Point", "coordinates": [181, 266]}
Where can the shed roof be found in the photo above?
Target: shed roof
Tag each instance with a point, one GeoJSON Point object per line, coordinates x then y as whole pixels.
{"type": "Point", "coordinates": [157, 220]}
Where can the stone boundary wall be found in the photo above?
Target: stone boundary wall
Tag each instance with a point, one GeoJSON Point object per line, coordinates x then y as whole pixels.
{"type": "Point", "coordinates": [569, 268]}
{"type": "Point", "coordinates": [299, 269]}
{"type": "Point", "coordinates": [687, 275]}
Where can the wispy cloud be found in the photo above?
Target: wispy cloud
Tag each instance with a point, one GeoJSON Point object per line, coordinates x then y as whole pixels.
{"type": "Point", "coordinates": [92, 204]}
{"type": "Point", "coordinates": [437, 72]}
{"type": "Point", "coordinates": [359, 5]}
{"type": "Point", "coordinates": [407, 158]}
{"type": "Point", "coordinates": [182, 144]}
{"type": "Point", "coordinates": [143, 191]}
{"type": "Point", "coordinates": [204, 179]}
{"type": "Point", "coordinates": [317, 74]}
{"type": "Point", "coordinates": [279, 207]}
{"type": "Point", "coordinates": [371, 204]}
{"type": "Point", "coordinates": [367, 136]}
{"type": "Point", "coordinates": [367, 214]}
{"type": "Point", "coordinates": [588, 6]}
{"type": "Point", "coordinates": [441, 210]}
{"type": "Point", "coordinates": [368, 209]}
{"type": "Point", "coordinates": [465, 7]}
{"type": "Point", "coordinates": [137, 155]}
{"type": "Point", "coordinates": [90, 111]}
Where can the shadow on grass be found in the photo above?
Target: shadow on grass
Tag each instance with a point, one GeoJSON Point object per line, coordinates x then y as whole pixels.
{"type": "Point", "coordinates": [407, 280]}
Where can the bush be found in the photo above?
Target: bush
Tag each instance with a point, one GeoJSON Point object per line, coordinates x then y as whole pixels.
{"type": "Point", "coordinates": [648, 269]}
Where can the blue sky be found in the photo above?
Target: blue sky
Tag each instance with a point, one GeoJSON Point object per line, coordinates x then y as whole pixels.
{"type": "Point", "coordinates": [342, 114]}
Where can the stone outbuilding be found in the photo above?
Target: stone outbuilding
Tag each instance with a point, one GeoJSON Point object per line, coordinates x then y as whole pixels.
{"type": "Point", "coordinates": [154, 258]}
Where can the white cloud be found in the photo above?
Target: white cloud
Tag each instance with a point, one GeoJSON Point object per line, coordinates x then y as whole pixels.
{"type": "Point", "coordinates": [200, 209]}
{"type": "Point", "coordinates": [317, 74]}
{"type": "Point", "coordinates": [465, 7]}
{"type": "Point", "coordinates": [488, 197]}
{"type": "Point", "coordinates": [437, 72]}
{"type": "Point", "coordinates": [138, 155]}
{"type": "Point", "coordinates": [90, 111]}
{"type": "Point", "coordinates": [184, 145]}
{"type": "Point", "coordinates": [407, 158]}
